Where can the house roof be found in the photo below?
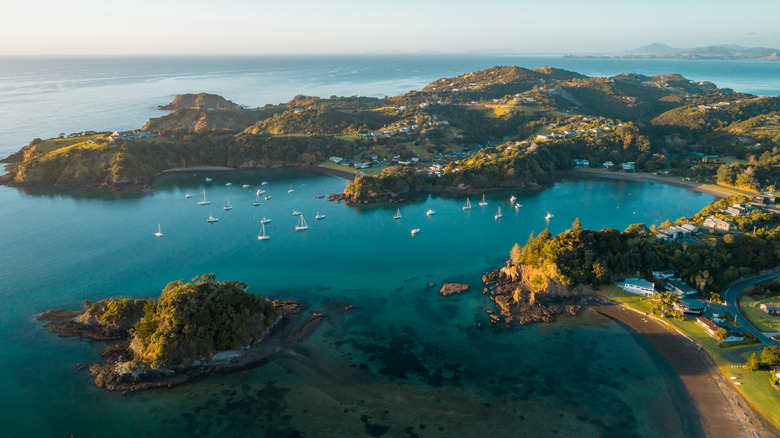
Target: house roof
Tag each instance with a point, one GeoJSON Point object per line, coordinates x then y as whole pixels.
{"type": "Point", "coordinates": [639, 282]}
{"type": "Point", "coordinates": [692, 304]}
{"type": "Point", "coordinates": [680, 285]}
{"type": "Point", "coordinates": [706, 322]}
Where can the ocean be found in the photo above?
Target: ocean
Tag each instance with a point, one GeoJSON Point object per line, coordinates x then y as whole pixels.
{"type": "Point", "coordinates": [406, 362]}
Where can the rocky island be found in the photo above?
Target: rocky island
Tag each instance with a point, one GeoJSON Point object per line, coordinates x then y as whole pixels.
{"type": "Point", "coordinates": [194, 328]}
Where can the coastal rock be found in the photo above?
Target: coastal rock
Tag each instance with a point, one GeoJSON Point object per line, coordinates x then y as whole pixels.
{"type": "Point", "coordinates": [453, 288]}
{"type": "Point", "coordinates": [200, 101]}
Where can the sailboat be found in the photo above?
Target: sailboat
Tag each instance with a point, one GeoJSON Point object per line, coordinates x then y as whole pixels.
{"type": "Point", "coordinates": [549, 216]}
{"type": "Point", "coordinates": [397, 214]}
{"type": "Point", "coordinates": [483, 203]}
{"type": "Point", "coordinates": [188, 195]}
{"type": "Point", "coordinates": [228, 206]}
{"type": "Point", "coordinates": [291, 189]}
{"type": "Point", "coordinates": [228, 184]}
{"type": "Point", "coordinates": [517, 206]}
{"type": "Point", "coordinates": [257, 201]}
{"type": "Point", "coordinates": [430, 212]}
{"type": "Point", "coordinates": [415, 231]}
{"type": "Point", "coordinates": [208, 180]}
{"type": "Point", "coordinates": [212, 219]}
{"type": "Point", "coordinates": [158, 233]}
{"type": "Point", "coordinates": [204, 201]}
{"type": "Point", "coordinates": [245, 186]}
{"type": "Point", "coordinates": [468, 205]}
{"type": "Point", "coordinates": [319, 216]}
{"type": "Point", "coordinates": [498, 215]}
{"type": "Point", "coordinates": [262, 235]}
{"type": "Point", "coordinates": [513, 198]}
{"type": "Point", "coordinates": [264, 183]}
{"type": "Point", "coordinates": [264, 220]}
{"type": "Point", "coordinates": [260, 192]}
{"type": "Point", "coordinates": [301, 225]}
{"type": "Point", "coordinates": [296, 213]}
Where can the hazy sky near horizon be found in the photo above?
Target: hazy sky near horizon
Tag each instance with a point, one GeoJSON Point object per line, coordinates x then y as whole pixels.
{"type": "Point", "coordinates": [192, 27]}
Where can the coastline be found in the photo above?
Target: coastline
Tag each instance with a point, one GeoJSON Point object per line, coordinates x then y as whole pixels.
{"type": "Point", "coordinates": [717, 191]}
{"type": "Point", "coordinates": [313, 169]}
{"type": "Point", "coordinates": [722, 411]}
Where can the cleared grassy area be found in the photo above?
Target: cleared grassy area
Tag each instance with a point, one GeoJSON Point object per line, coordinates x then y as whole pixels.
{"type": "Point", "coordinates": [762, 320]}
{"type": "Point", "coordinates": [753, 385]}
{"type": "Point", "coordinates": [731, 160]}
{"type": "Point", "coordinates": [53, 144]}
{"type": "Point", "coordinates": [331, 165]}
{"type": "Point", "coordinates": [347, 137]}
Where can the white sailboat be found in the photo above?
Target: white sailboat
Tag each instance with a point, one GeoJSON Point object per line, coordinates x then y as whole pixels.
{"type": "Point", "coordinates": [260, 192]}
{"type": "Point", "coordinates": [517, 206]}
{"type": "Point", "coordinates": [397, 214]}
{"type": "Point", "coordinates": [296, 213]}
{"type": "Point", "coordinates": [208, 180]}
{"type": "Point", "coordinates": [483, 203]}
{"type": "Point", "coordinates": [158, 233]}
{"type": "Point", "coordinates": [257, 201]}
{"type": "Point", "coordinates": [228, 206]}
{"type": "Point", "coordinates": [228, 184]}
{"type": "Point", "coordinates": [264, 183]}
{"type": "Point", "coordinates": [264, 220]}
{"type": "Point", "coordinates": [204, 201]}
{"type": "Point", "coordinates": [549, 216]}
{"type": "Point", "coordinates": [468, 205]}
{"type": "Point", "coordinates": [301, 225]}
{"type": "Point", "coordinates": [319, 216]}
{"type": "Point", "coordinates": [513, 198]}
{"type": "Point", "coordinates": [212, 219]}
{"type": "Point", "coordinates": [188, 195]}
{"type": "Point", "coordinates": [245, 186]}
{"type": "Point", "coordinates": [291, 189]}
{"type": "Point", "coordinates": [415, 231]}
{"type": "Point", "coordinates": [430, 212]}
{"type": "Point", "coordinates": [262, 235]}
{"type": "Point", "coordinates": [498, 215]}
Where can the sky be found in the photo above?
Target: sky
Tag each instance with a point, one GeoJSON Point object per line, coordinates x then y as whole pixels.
{"type": "Point", "coordinates": [194, 27]}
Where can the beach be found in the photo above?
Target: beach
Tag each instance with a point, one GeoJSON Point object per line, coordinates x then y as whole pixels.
{"type": "Point", "coordinates": [722, 411]}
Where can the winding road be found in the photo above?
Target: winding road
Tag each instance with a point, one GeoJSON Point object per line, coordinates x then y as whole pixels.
{"type": "Point", "coordinates": [731, 298]}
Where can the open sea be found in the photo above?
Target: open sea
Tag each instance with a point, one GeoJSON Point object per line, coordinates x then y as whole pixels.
{"type": "Point", "coordinates": [407, 362]}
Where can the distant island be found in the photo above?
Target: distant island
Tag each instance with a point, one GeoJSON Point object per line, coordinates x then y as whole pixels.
{"type": "Point", "coordinates": [724, 52]}
{"type": "Point", "coordinates": [501, 128]}
{"type": "Point", "coordinates": [191, 330]}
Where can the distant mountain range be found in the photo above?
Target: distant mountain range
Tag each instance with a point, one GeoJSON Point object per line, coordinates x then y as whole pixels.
{"type": "Point", "coordinates": [724, 51]}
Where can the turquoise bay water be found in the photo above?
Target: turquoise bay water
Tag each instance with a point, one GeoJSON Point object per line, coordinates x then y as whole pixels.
{"type": "Point", "coordinates": [407, 362]}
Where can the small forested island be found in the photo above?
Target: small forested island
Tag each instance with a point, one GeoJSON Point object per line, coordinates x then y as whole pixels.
{"type": "Point", "coordinates": [192, 329]}
{"type": "Point", "coordinates": [504, 127]}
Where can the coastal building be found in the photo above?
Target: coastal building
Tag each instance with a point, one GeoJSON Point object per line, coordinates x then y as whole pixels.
{"type": "Point", "coordinates": [689, 306]}
{"type": "Point", "coordinates": [629, 166]}
{"type": "Point", "coordinates": [336, 159]}
{"type": "Point", "coordinates": [717, 224]}
{"type": "Point", "coordinates": [638, 286]}
{"type": "Point", "coordinates": [690, 228]}
{"type": "Point", "coordinates": [663, 275]}
{"type": "Point", "coordinates": [737, 210]}
{"type": "Point", "coordinates": [710, 327]}
{"type": "Point", "coordinates": [673, 233]}
{"type": "Point", "coordinates": [771, 309]}
{"type": "Point", "coordinates": [679, 287]}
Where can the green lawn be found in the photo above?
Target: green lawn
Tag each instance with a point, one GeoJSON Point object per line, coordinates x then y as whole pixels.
{"type": "Point", "coordinates": [758, 317]}
{"type": "Point", "coordinates": [53, 144]}
{"type": "Point", "coordinates": [754, 386]}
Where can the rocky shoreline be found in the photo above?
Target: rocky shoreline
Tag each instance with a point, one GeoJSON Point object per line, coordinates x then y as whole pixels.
{"type": "Point", "coordinates": [118, 374]}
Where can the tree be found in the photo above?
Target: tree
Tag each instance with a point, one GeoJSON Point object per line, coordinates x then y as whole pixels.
{"type": "Point", "coordinates": [771, 355]}
{"type": "Point", "coordinates": [752, 363]}
{"type": "Point", "coordinates": [516, 253]}
{"type": "Point", "coordinates": [577, 224]}
{"type": "Point", "coordinates": [721, 334]}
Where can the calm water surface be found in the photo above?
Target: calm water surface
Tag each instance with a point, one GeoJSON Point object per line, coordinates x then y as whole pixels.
{"type": "Point", "coordinates": [407, 362]}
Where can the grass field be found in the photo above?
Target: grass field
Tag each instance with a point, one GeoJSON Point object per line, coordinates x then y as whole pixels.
{"type": "Point", "coordinates": [758, 317]}
{"type": "Point", "coordinates": [753, 385]}
{"type": "Point", "coordinates": [53, 144]}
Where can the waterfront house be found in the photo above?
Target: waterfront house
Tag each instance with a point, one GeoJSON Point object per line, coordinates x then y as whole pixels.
{"type": "Point", "coordinates": [336, 160]}
{"type": "Point", "coordinates": [717, 224]}
{"type": "Point", "coordinates": [771, 309]}
{"type": "Point", "coordinates": [679, 287]}
{"type": "Point", "coordinates": [736, 210]}
{"type": "Point", "coordinates": [690, 228]}
{"type": "Point", "coordinates": [689, 306]}
{"type": "Point", "coordinates": [629, 166]}
{"type": "Point", "coordinates": [710, 327]}
{"type": "Point", "coordinates": [638, 286]}
{"type": "Point", "coordinates": [663, 275]}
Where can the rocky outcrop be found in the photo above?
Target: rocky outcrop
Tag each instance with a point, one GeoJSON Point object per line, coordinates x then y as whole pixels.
{"type": "Point", "coordinates": [352, 199]}
{"type": "Point", "coordinates": [525, 295]}
{"type": "Point", "coordinates": [200, 101]}
{"type": "Point", "coordinates": [453, 288]}
{"type": "Point", "coordinates": [67, 323]}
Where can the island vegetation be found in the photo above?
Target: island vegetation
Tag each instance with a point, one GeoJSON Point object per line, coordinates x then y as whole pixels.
{"type": "Point", "coordinates": [181, 335]}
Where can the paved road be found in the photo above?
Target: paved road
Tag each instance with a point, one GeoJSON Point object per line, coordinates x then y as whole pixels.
{"type": "Point", "coordinates": [731, 295]}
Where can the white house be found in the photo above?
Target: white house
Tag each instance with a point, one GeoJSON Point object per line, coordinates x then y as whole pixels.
{"type": "Point", "coordinates": [679, 287]}
{"type": "Point", "coordinates": [627, 166]}
{"type": "Point", "coordinates": [717, 224]}
{"type": "Point", "coordinates": [638, 286]}
{"type": "Point", "coordinates": [663, 275]}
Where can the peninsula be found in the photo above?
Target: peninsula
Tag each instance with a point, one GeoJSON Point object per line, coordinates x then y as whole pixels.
{"type": "Point", "coordinates": [721, 52]}
{"type": "Point", "coordinates": [504, 127]}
